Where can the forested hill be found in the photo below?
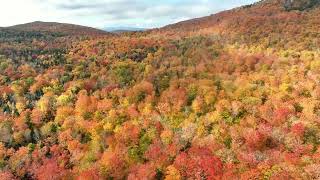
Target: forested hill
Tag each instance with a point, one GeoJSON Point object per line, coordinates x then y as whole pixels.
{"type": "Point", "coordinates": [53, 27]}
{"type": "Point", "coordinates": [235, 95]}
{"type": "Point", "coordinates": [282, 23]}
{"type": "Point", "coordinates": [45, 40]}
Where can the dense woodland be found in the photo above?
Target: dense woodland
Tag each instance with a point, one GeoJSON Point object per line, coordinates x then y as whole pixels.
{"type": "Point", "coordinates": [234, 95]}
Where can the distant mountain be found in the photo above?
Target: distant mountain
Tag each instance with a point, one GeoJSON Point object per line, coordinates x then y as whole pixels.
{"type": "Point", "coordinates": [123, 29]}
{"type": "Point", "coordinates": [69, 29]}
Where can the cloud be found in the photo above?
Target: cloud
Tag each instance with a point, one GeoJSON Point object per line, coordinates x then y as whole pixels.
{"type": "Point", "coordinates": [102, 13]}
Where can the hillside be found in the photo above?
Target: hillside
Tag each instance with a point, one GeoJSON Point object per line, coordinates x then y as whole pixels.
{"type": "Point", "coordinates": [53, 27]}
{"type": "Point", "coordinates": [43, 39]}
{"type": "Point", "coordinates": [264, 8]}
{"type": "Point", "coordinates": [234, 95]}
{"type": "Point", "coordinates": [264, 23]}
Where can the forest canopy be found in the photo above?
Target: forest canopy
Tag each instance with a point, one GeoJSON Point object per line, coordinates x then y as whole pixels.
{"type": "Point", "coordinates": [231, 96]}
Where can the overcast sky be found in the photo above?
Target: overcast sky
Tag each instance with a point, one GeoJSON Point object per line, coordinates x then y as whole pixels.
{"type": "Point", "coordinates": [111, 13]}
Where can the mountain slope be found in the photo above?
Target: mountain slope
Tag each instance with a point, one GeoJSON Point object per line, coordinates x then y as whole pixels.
{"type": "Point", "coordinates": [266, 22]}
{"type": "Point", "coordinates": [267, 8]}
{"type": "Point", "coordinates": [43, 39]}
{"type": "Point", "coordinates": [69, 29]}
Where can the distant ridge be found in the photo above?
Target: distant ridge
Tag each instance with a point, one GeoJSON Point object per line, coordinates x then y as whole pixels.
{"type": "Point", "coordinates": [123, 29]}
{"type": "Point", "coordinates": [69, 29]}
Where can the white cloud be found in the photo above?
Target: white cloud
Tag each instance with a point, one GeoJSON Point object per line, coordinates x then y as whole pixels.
{"type": "Point", "coordinates": [102, 13]}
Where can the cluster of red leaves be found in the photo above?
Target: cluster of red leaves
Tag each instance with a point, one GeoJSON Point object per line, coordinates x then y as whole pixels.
{"type": "Point", "coordinates": [199, 163]}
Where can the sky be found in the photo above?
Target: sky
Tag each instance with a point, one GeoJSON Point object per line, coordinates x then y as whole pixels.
{"type": "Point", "coordinates": [111, 13]}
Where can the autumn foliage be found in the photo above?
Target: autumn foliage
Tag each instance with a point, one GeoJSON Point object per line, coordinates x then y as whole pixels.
{"type": "Point", "coordinates": [230, 96]}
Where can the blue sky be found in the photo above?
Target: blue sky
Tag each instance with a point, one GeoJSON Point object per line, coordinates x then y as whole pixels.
{"type": "Point", "coordinates": [111, 13]}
